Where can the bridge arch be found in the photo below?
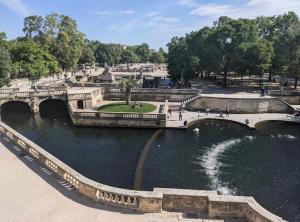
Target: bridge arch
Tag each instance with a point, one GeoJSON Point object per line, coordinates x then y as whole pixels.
{"type": "Point", "coordinates": [192, 123]}
{"type": "Point", "coordinates": [15, 110]}
{"type": "Point", "coordinates": [266, 121]}
{"type": "Point", "coordinates": [53, 108]}
{"type": "Point", "coordinates": [6, 103]}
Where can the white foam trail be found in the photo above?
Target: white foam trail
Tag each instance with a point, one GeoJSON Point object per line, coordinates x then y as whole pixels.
{"type": "Point", "coordinates": [287, 136]}
{"type": "Point", "coordinates": [209, 161]}
{"type": "Point", "coordinates": [290, 137]}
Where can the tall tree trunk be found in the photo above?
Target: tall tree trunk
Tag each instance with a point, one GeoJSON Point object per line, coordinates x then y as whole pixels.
{"type": "Point", "coordinates": [225, 77]}
{"type": "Point", "coordinates": [296, 83]}
{"type": "Point", "coordinates": [128, 97]}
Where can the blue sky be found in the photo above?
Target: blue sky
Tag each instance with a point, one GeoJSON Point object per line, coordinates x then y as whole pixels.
{"type": "Point", "coordinates": [135, 21]}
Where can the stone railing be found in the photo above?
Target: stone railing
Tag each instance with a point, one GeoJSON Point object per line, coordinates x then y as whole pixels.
{"type": "Point", "coordinates": [8, 90]}
{"type": "Point", "coordinates": [33, 93]}
{"type": "Point", "coordinates": [79, 96]}
{"type": "Point", "coordinates": [127, 116]}
{"type": "Point", "coordinates": [207, 203]}
{"type": "Point", "coordinates": [158, 91]}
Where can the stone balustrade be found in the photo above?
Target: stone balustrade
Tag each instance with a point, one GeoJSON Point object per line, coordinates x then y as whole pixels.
{"type": "Point", "coordinates": [103, 115]}
{"type": "Point", "coordinates": [158, 91]}
{"type": "Point", "coordinates": [26, 94]}
{"type": "Point", "coordinates": [208, 203]}
{"type": "Point", "coordinates": [8, 90]}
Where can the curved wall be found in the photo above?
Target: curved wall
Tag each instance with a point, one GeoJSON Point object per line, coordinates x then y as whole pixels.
{"type": "Point", "coordinates": [240, 105]}
{"type": "Point", "coordinates": [202, 202]}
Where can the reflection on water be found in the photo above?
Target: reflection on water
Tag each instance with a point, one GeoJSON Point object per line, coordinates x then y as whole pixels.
{"type": "Point", "coordinates": [222, 156]}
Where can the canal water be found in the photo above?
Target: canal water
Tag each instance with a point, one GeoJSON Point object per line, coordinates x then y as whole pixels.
{"type": "Point", "coordinates": [222, 156]}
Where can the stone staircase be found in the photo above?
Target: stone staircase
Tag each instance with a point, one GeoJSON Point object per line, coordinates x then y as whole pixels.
{"type": "Point", "coordinates": [184, 102]}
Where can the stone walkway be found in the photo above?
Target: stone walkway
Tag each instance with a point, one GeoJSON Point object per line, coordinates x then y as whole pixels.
{"type": "Point", "coordinates": [173, 121]}
{"type": "Point", "coordinates": [31, 193]}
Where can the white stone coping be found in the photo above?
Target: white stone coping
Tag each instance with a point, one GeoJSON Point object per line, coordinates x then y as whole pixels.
{"type": "Point", "coordinates": [156, 194]}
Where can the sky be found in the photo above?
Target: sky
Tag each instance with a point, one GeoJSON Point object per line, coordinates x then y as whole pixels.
{"type": "Point", "coordinates": [136, 21]}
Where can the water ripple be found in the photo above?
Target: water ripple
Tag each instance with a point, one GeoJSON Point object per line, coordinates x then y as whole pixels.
{"type": "Point", "coordinates": [211, 164]}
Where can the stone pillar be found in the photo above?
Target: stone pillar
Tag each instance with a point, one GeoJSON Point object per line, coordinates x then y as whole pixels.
{"type": "Point", "coordinates": [34, 107]}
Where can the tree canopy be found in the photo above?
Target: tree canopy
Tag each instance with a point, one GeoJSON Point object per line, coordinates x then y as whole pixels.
{"type": "Point", "coordinates": [243, 46]}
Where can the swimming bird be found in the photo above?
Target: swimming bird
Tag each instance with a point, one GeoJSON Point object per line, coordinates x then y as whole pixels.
{"type": "Point", "coordinates": [196, 130]}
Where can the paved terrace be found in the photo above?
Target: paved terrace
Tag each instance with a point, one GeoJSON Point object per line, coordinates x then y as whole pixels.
{"type": "Point", "coordinates": [31, 193]}
{"type": "Point", "coordinates": [190, 117]}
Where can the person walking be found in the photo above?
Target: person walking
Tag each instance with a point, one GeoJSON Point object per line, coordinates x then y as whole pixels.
{"type": "Point", "coordinates": [207, 112]}
{"type": "Point", "coordinates": [180, 115]}
{"type": "Point", "coordinates": [227, 112]}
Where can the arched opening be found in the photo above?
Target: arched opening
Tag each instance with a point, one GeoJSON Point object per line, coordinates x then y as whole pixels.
{"type": "Point", "coordinates": [53, 109]}
{"type": "Point", "coordinates": [196, 123]}
{"type": "Point", "coordinates": [80, 104]}
{"type": "Point", "coordinates": [15, 111]}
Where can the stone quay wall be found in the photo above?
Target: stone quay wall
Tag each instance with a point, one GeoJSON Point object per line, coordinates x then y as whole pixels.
{"type": "Point", "coordinates": [136, 120]}
{"type": "Point", "coordinates": [240, 105]}
{"type": "Point", "coordinates": [158, 95]}
{"type": "Point", "coordinates": [192, 201]}
{"type": "Point", "coordinates": [289, 96]}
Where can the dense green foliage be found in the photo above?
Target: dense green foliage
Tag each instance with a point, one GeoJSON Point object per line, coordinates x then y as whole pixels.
{"type": "Point", "coordinates": [30, 58]}
{"type": "Point", "coordinates": [243, 46]}
{"type": "Point", "coordinates": [125, 108]}
{"type": "Point", "coordinates": [112, 54]}
{"type": "Point", "coordinates": [53, 43]}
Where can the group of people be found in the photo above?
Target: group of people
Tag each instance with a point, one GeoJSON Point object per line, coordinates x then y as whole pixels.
{"type": "Point", "coordinates": [206, 114]}
{"type": "Point", "coordinates": [170, 113]}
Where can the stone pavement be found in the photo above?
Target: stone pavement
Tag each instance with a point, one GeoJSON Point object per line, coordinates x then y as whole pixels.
{"type": "Point", "coordinates": [31, 193]}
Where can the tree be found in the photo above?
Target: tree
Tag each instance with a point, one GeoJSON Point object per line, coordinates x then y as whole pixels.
{"type": "Point", "coordinates": [127, 85]}
{"type": "Point", "coordinates": [32, 59]}
{"type": "Point", "coordinates": [228, 36]}
{"type": "Point", "coordinates": [69, 44]}
{"type": "Point", "coordinates": [5, 61]}
{"type": "Point", "coordinates": [182, 65]}
{"type": "Point", "coordinates": [109, 54]}
{"type": "Point", "coordinates": [157, 57]}
{"type": "Point", "coordinates": [256, 57]}
{"type": "Point", "coordinates": [143, 52]}
{"type": "Point", "coordinates": [5, 66]}
{"type": "Point", "coordinates": [33, 26]}
{"type": "Point", "coordinates": [128, 56]}
{"type": "Point", "coordinates": [87, 56]}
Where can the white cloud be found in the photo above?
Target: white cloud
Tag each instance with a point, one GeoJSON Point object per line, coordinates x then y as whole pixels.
{"type": "Point", "coordinates": [212, 10]}
{"type": "Point", "coordinates": [126, 12]}
{"type": "Point", "coordinates": [160, 20]}
{"type": "Point", "coordinates": [152, 14]}
{"type": "Point", "coordinates": [188, 3]}
{"type": "Point", "coordinates": [250, 9]}
{"type": "Point", "coordinates": [112, 13]}
{"type": "Point", "coordinates": [16, 5]}
{"type": "Point", "coordinates": [125, 27]}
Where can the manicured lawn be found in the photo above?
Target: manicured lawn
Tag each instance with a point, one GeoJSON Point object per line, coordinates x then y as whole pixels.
{"type": "Point", "coordinates": [122, 107]}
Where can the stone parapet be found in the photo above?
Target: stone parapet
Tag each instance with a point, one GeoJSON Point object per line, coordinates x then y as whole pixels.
{"type": "Point", "coordinates": [207, 203]}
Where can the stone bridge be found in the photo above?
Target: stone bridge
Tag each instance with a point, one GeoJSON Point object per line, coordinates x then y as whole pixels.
{"type": "Point", "coordinates": [32, 98]}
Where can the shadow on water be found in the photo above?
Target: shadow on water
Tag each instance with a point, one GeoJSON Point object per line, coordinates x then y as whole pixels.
{"type": "Point", "coordinates": [53, 109]}
{"type": "Point", "coordinates": [106, 155]}
{"type": "Point", "coordinates": [15, 111]}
